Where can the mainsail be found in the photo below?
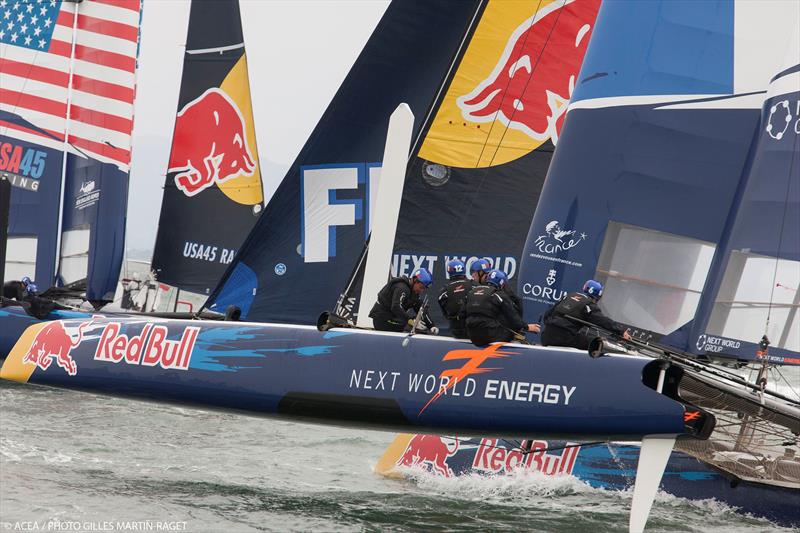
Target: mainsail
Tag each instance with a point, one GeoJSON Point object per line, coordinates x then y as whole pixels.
{"type": "Point", "coordinates": [641, 192]}
{"type": "Point", "coordinates": [473, 184]}
{"type": "Point", "coordinates": [303, 247]}
{"type": "Point", "coordinates": [67, 85]}
{"type": "Point", "coordinates": [213, 193]}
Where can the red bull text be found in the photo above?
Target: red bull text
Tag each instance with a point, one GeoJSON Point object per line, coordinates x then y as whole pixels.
{"type": "Point", "coordinates": [495, 459]}
{"type": "Point", "coordinates": [209, 145]}
{"type": "Point", "coordinates": [530, 87]}
{"type": "Point", "coordinates": [53, 341]}
{"type": "Point", "coordinates": [150, 348]}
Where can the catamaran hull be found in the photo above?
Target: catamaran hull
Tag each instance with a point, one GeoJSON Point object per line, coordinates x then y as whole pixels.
{"type": "Point", "coordinates": [608, 465]}
{"type": "Point", "coordinates": [349, 377]}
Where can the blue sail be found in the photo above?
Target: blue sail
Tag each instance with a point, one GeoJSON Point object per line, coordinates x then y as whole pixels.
{"type": "Point", "coordinates": [756, 289]}
{"type": "Point", "coordinates": [304, 245]}
{"type": "Point", "coordinates": [651, 158]}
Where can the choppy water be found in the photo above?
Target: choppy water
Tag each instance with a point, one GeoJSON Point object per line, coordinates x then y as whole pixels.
{"type": "Point", "coordinates": [72, 460]}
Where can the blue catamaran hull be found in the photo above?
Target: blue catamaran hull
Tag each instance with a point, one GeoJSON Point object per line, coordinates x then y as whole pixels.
{"type": "Point", "coordinates": [349, 377]}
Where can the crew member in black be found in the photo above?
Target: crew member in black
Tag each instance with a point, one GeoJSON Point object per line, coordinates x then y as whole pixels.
{"type": "Point", "coordinates": [561, 331]}
{"type": "Point", "coordinates": [490, 314]}
{"type": "Point", "coordinates": [453, 295]}
{"type": "Point", "coordinates": [399, 302]}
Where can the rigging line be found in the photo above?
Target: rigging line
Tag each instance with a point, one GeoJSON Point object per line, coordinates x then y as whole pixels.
{"type": "Point", "coordinates": [791, 386]}
{"type": "Point", "coordinates": [485, 170]}
{"type": "Point", "coordinates": [527, 82]}
{"type": "Point", "coordinates": [780, 235]}
{"type": "Point", "coordinates": [508, 84]}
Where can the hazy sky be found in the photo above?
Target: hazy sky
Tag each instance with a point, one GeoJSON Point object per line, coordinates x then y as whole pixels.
{"type": "Point", "coordinates": [298, 53]}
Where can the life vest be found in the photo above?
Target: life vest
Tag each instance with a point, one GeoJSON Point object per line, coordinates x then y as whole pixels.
{"type": "Point", "coordinates": [479, 302]}
{"type": "Point", "coordinates": [457, 292]}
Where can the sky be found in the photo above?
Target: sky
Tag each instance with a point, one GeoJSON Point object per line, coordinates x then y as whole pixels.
{"type": "Point", "coordinates": [298, 53]}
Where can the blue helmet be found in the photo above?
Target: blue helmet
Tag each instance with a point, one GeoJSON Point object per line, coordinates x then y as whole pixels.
{"type": "Point", "coordinates": [423, 276]}
{"type": "Point", "coordinates": [593, 289]}
{"type": "Point", "coordinates": [497, 278]}
{"type": "Point", "coordinates": [480, 265]}
{"type": "Point", "coordinates": [456, 267]}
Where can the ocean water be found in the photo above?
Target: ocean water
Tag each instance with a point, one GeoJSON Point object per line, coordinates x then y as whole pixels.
{"type": "Point", "coordinates": [80, 462]}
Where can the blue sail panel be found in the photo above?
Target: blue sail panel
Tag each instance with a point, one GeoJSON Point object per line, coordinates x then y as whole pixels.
{"type": "Point", "coordinates": [310, 234]}
{"type": "Point", "coordinates": [650, 162]}
{"type": "Point", "coordinates": [34, 171]}
{"type": "Point", "coordinates": [93, 227]}
{"type": "Point", "coordinates": [756, 289]}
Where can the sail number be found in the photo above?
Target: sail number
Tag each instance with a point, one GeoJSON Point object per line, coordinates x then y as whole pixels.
{"type": "Point", "coordinates": [18, 160]}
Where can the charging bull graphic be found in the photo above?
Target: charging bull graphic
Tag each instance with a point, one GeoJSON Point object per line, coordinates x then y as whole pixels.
{"type": "Point", "coordinates": [54, 341]}
{"type": "Point", "coordinates": [531, 85]}
{"type": "Point", "coordinates": [429, 450]}
{"type": "Point", "coordinates": [209, 145]}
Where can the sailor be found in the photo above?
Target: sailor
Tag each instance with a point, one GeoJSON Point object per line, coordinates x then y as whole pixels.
{"type": "Point", "coordinates": [399, 302]}
{"type": "Point", "coordinates": [561, 331]}
{"type": "Point", "coordinates": [491, 315]}
{"type": "Point", "coordinates": [20, 290]}
{"type": "Point", "coordinates": [453, 295]}
{"type": "Point", "coordinates": [479, 269]}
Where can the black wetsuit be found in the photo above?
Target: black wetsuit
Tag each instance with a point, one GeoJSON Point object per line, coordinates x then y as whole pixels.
{"type": "Point", "coordinates": [561, 331]}
{"type": "Point", "coordinates": [451, 299]}
{"type": "Point", "coordinates": [491, 316]}
{"type": "Point", "coordinates": [397, 304]}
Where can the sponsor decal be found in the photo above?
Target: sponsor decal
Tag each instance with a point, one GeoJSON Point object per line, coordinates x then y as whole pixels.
{"type": "Point", "coordinates": [333, 197]}
{"type": "Point", "coordinates": [208, 252]}
{"type": "Point", "coordinates": [780, 118]}
{"type": "Point", "coordinates": [209, 144]}
{"type": "Point", "coordinates": [404, 264]}
{"type": "Point", "coordinates": [429, 451]}
{"type": "Point", "coordinates": [510, 92]}
{"type": "Point", "coordinates": [541, 293]}
{"type": "Point", "coordinates": [555, 240]}
{"type": "Point", "coordinates": [22, 166]}
{"type": "Point", "coordinates": [496, 459]}
{"type": "Point", "coordinates": [88, 196]}
{"type": "Point", "coordinates": [53, 342]}
{"type": "Point", "coordinates": [150, 348]}
{"type": "Point", "coordinates": [280, 269]}
{"type": "Point", "coordinates": [461, 381]}
{"type": "Point", "coordinates": [709, 343]}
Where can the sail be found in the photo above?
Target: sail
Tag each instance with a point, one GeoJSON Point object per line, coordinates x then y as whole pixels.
{"type": "Point", "coordinates": [67, 84]}
{"type": "Point", "coordinates": [297, 258]}
{"type": "Point", "coordinates": [650, 160]}
{"type": "Point", "coordinates": [213, 193]}
{"type": "Point", "coordinates": [756, 286]}
{"type": "Point", "coordinates": [472, 187]}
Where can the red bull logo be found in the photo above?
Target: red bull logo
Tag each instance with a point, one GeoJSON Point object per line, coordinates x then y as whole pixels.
{"type": "Point", "coordinates": [150, 348]}
{"type": "Point", "coordinates": [209, 145]}
{"type": "Point", "coordinates": [53, 342]}
{"type": "Point", "coordinates": [495, 459]}
{"type": "Point", "coordinates": [430, 451]}
{"type": "Point", "coordinates": [532, 82]}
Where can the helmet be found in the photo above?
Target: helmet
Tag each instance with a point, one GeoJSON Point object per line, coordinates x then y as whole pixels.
{"type": "Point", "coordinates": [26, 280]}
{"type": "Point", "coordinates": [456, 267]}
{"type": "Point", "coordinates": [423, 276]}
{"type": "Point", "coordinates": [497, 278]}
{"type": "Point", "coordinates": [480, 265]}
{"type": "Point", "coordinates": [593, 289]}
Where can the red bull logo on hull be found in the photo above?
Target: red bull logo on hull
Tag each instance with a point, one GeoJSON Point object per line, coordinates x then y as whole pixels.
{"type": "Point", "coordinates": [430, 451]}
{"type": "Point", "coordinates": [495, 459]}
{"type": "Point", "coordinates": [53, 342]}
{"type": "Point", "coordinates": [209, 145]}
{"type": "Point", "coordinates": [531, 85]}
{"type": "Point", "coordinates": [150, 348]}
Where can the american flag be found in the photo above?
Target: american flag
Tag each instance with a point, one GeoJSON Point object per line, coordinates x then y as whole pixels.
{"type": "Point", "coordinates": [36, 56]}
